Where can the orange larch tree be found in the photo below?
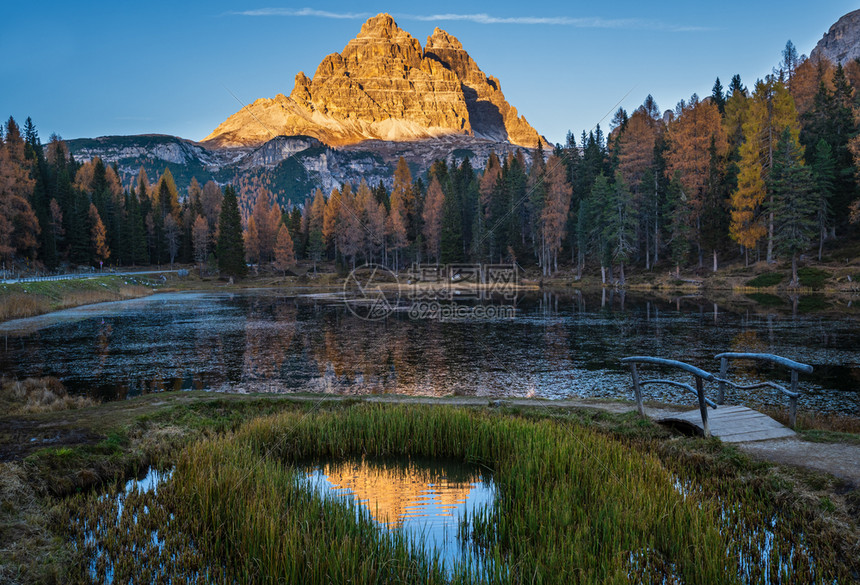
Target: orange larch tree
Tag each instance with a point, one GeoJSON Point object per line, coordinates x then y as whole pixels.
{"type": "Point", "coordinates": [267, 218]}
{"type": "Point", "coordinates": [252, 241]}
{"type": "Point", "coordinates": [284, 254]}
{"type": "Point", "coordinates": [348, 230]}
{"type": "Point", "coordinates": [554, 214]}
{"type": "Point", "coordinates": [19, 226]}
{"type": "Point", "coordinates": [690, 136]}
{"type": "Point", "coordinates": [98, 235]}
{"type": "Point", "coordinates": [432, 216]}
{"type": "Point", "coordinates": [371, 215]}
{"type": "Point", "coordinates": [771, 110]}
{"type": "Point", "coordinates": [402, 204]}
{"type": "Point", "coordinates": [808, 77]}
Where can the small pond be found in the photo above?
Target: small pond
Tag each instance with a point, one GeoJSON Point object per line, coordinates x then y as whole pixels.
{"type": "Point", "coordinates": [429, 500]}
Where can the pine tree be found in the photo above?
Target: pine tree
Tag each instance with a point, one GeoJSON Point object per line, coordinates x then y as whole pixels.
{"type": "Point", "coordinates": [295, 227]}
{"type": "Point", "coordinates": [79, 228]}
{"type": "Point", "coordinates": [823, 175]}
{"type": "Point", "coordinates": [171, 237]}
{"type": "Point", "coordinates": [736, 87]}
{"type": "Point", "coordinates": [598, 210]}
{"type": "Point", "coordinates": [715, 217]}
{"type": "Point", "coordinates": [794, 201]}
{"type": "Point", "coordinates": [492, 209]}
{"type": "Point", "coordinates": [136, 230]}
{"type": "Point", "coordinates": [316, 246]}
{"type": "Point", "coordinates": [718, 96]}
{"type": "Point", "coordinates": [451, 227]}
{"type": "Point", "coordinates": [230, 249]}
{"type": "Point", "coordinates": [55, 223]}
{"type": "Point", "coordinates": [516, 222]}
{"type": "Point", "coordinates": [200, 237]}
{"type": "Point", "coordinates": [679, 222]}
{"type": "Point", "coordinates": [790, 60]}
{"type": "Point", "coordinates": [620, 225]}
{"type": "Point", "coordinates": [841, 130]}
{"type": "Point", "coordinates": [618, 122]}
{"type": "Point", "coordinates": [466, 185]}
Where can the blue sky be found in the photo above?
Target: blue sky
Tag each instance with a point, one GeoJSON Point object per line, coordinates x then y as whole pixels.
{"type": "Point", "coordinates": [87, 69]}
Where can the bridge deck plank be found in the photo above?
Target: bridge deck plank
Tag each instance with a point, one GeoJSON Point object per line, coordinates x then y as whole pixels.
{"type": "Point", "coordinates": [733, 424]}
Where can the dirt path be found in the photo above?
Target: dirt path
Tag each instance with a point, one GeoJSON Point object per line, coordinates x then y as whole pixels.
{"type": "Point", "coordinates": [837, 459]}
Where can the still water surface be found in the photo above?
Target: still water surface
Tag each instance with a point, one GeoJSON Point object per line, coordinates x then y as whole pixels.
{"type": "Point", "coordinates": [426, 499]}
{"type": "Point", "coordinates": [558, 345]}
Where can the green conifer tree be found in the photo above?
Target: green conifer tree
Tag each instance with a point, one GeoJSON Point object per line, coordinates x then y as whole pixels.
{"type": "Point", "coordinates": [794, 201]}
{"type": "Point", "coordinates": [824, 177]}
{"type": "Point", "coordinates": [231, 247]}
{"type": "Point", "coordinates": [680, 230]}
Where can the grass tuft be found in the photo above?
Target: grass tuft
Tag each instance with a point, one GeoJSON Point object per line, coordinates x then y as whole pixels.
{"type": "Point", "coordinates": [766, 280]}
{"type": "Point", "coordinates": [814, 278]}
{"type": "Point", "coordinates": [35, 395]}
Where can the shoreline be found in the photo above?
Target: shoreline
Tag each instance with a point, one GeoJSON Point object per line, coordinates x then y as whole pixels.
{"type": "Point", "coordinates": [32, 299]}
{"type": "Point", "coordinates": [25, 300]}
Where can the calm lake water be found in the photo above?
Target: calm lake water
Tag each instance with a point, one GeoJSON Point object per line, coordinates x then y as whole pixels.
{"type": "Point", "coordinates": [556, 345]}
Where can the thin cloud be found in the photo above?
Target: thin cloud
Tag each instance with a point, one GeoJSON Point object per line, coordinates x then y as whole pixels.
{"type": "Point", "coordinates": [586, 22]}
{"type": "Point", "coordinates": [302, 12]}
{"type": "Point", "coordinates": [483, 18]}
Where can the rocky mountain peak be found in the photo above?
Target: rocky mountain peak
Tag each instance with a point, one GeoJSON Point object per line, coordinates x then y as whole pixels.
{"type": "Point", "coordinates": [841, 43]}
{"type": "Point", "coordinates": [380, 26]}
{"type": "Point", "coordinates": [442, 40]}
{"type": "Point", "coordinates": [384, 86]}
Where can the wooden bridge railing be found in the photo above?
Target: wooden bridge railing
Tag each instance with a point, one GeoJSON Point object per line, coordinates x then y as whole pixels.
{"type": "Point", "coordinates": [700, 376]}
{"type": "Point", "coordinates": [795, 367]}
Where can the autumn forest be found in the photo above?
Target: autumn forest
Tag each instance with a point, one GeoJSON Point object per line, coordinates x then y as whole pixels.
{"type": "Point", "coordinates": [760, 173]}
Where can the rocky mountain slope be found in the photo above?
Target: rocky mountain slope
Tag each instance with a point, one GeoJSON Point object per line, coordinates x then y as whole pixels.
{"type": "Point", "coordinates": [295, 165]}
{"type": "Point", "coordinates": [842, 42]}
{"type": "Point", "coordinates": [384, 86]}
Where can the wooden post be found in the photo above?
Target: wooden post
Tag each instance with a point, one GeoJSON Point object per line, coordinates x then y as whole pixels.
{"type": "Point", "coordinates": [792, 401]}
{"type": "Point", "coordinates": [724, 369]}
{"type": "Point", "coordinates": [703, 406]}
{"type": "Point", "coordinates": [637, 390]}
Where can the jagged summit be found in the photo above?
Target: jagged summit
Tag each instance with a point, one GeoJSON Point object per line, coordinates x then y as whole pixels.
{"type": "Point", "coordinates": [384, 86]}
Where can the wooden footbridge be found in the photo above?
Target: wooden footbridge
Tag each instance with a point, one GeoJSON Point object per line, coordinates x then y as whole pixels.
{"type": "Point", "coordinates": [732, 424]}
